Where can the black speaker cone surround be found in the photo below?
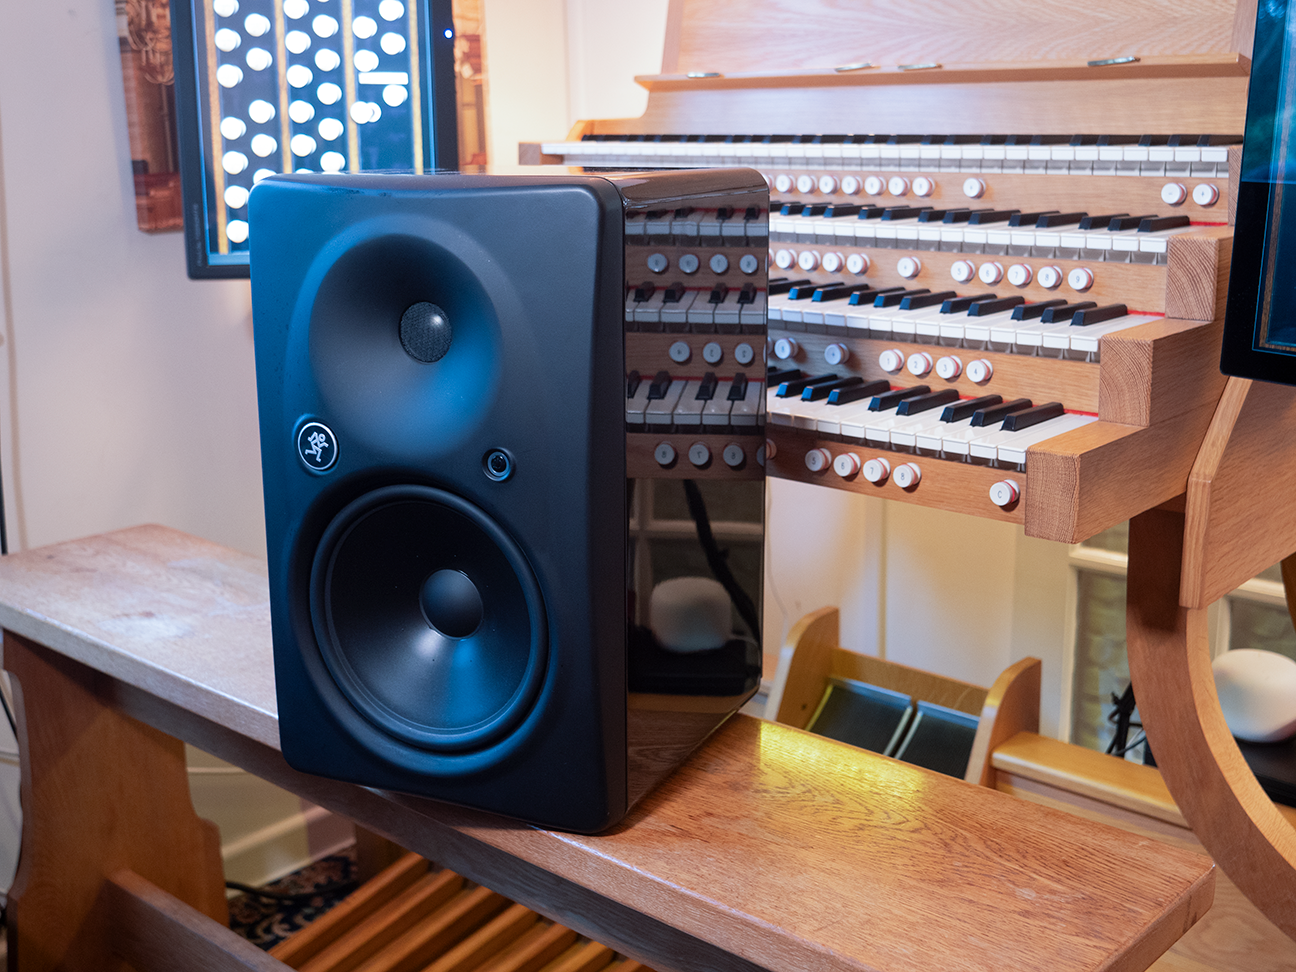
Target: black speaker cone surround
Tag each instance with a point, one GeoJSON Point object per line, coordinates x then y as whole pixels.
{"type": "Point", "coordinates": [428, 617]}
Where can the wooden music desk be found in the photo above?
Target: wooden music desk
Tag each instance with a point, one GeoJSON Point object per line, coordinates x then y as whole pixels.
{"type": "Point", "coordinates": [769, 848]}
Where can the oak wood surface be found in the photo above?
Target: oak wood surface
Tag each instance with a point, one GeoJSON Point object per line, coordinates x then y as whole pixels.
{"type": "Point", "coordinates": [1156, 372]}
{"type": "Point", "coordinates": [1213, 786]}
{"type": "Point", "coordinates": [156, 932]}
{"type": "Point", "coordinates": [794, 827]}
{"type": "Point", "coordinates": [1198, 272]}
{"type": "Point", "coordinates": [1240, 518]}
{"type": "Point", "coordinates": [1011, 706]}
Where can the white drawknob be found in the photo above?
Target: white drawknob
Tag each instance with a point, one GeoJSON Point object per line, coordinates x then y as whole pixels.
{"type": "Point", "coordinates": [664, 453]}
{"type": "Point", "coordinates": [898, 186]}
{"type": "Point", "coordinates": [1004, 493]}
{"type": "Point", "coordinates": [922, 186]}
{"type": "Point", "coordinates": [1019, 275]}
{"type": "Point", "coordinates": [712, 353]}
{"type": "Point", "coordinates": [990, 273]}
{"type": "Point", "coordinates": [832, 262]}
{"type": "Point", "coordinates": [835, 354]}
{"type": "Point", "coordinates": [733, 455]}
{"type": "Point", "coordinates": [857, 263]}
{"type": "Point", "coordinates": [699, 454]}
{"type": "Point", "coordinates": [973, 188]}
{"type": "Point", "coordinates": [744, 354]}
{"type": "Point", "coordinates": [771, 450]}
{"type": "Point", "coordinates": [785, 259]}
{"type": "Point", "coordinates": [761, 452]}
{"type": "Point", "coordinates": [962, 270]}
{"type": "Point", "coordinates": [1080, 278]}
{"type": "Point", "coordinates": [873, 185]}
{"type": "Point", "coordinates": [889, 360]}
{"type": "Point", "coordinates": [919, 363]}
{"type": "Point", "coordinates": [877, 470]}
{"type": "Point", "coordinates": [808, 260]}
{"type": "Point", "coordinates": [783, 183]}
{"type": "Point", "coordinates": [847, 465]}
{"type": "Point", "coordinates": [785, 348]}
{"type": "Point", "coordinates": [907, 475]}
{"type": "Point", "coordinates": [949, 367]}
{"type": "Point", "coordinates": [827, 184]}
{"type": "Point", "coordinates": [979, 371]}
{"type": "Point", "coordinates": [1050, 278]}
{"type": "Point", "coordinates": [1173, 193]}
{"type": "Point", "coordinates": [805, 184]}
{"type": "Point", "coordinates": [908, 267]}
{"type": "Point", "coordinates": [1204, 194]}
{"type": "Point", "coordinates": [850, 185]}
{"type": "Point", "coordinates": [680, 352]}
{"type": "Point", "coordinates": [817, 460]}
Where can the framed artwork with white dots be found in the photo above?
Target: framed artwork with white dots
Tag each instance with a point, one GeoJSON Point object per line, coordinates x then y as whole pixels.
{"type": "Point", "coordinates": [266, 86]}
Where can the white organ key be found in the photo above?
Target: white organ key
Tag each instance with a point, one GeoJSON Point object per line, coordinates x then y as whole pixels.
{"type": "Point", "coordinates": [677, 312]}
{"type": "Point", "coordinates": [719, 410]}
{"type": "Point", "coordinates": [745, 412]}
{"type": "Point", "coordinates": [688, 411]}
{"type": "Point", "coordinates": [852, 415]}
{"type": "Point", "coordinates": [1072, 338]}
{"type": "Point", "coordinates": [637, 403]}
{"type": "Point", "coordinates": [661, 411]}
{"type": "Point", "coordinates": [1011, 447]}
{"type": "Point", "coordinates": [649, 311]}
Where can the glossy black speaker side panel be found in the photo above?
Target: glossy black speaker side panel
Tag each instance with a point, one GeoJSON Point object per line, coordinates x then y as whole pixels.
{"type": "Point", "coordinates": [547, 257]}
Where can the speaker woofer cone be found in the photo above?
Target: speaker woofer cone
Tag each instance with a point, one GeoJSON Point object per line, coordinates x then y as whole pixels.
{"type": "Point", "coordinates": [396, 586]}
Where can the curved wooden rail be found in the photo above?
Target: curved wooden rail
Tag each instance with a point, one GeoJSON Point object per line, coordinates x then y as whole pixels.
{"type": "Point", "coordinates": [1239, 519]}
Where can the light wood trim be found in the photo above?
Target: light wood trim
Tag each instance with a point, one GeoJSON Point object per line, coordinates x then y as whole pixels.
{"type": "Point", "coordinates": [1011, 706]}
{"type": "Point", "coordinates": [972, 72]}
{"type": "Point", "coordinates": [1197, 273]}
{"type": "Point", "coordinates": [674, 36]}
{"type": "Point", "coordinates": [487, 941]}
{"type": "Point", "coordinates": [1241, 519]}
{"type": "Point", "coordinates": [1156, 372]}
{"type": "Point", "coordinates": [914, 682]}
{"type": "Point", "coordinates": [434, 933]}
{"type": "Point", "coordinates": [1096, 775]}
{"type": "Point", "coordinates": [156, 932]}
{"type": "Point", "coordinates": [589, 957]}
{"type": "Point", "coordinates": [812, 641]}
{"type": "Point", "coordinates": [101, 792]}
{"type": "Point", "coordinates": [377, 930]}
{"type": "Point", "coordinates": [540, 946]}
{"type": "Point", "coordinates": [1244, 24]}
{"type": "Point", "coordinates": [361, 904]}
{"type": "Point", "coordinates": [1170, 665]}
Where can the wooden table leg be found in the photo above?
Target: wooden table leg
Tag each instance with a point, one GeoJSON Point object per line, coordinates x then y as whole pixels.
{"type": "Point", "coordinates": [101, 792]}
{"type": "Point", "coordinates": [1170, 665]}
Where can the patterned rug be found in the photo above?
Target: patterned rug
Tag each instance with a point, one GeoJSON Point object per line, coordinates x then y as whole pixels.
{"type": "Point", "coordinates": [308, 893]}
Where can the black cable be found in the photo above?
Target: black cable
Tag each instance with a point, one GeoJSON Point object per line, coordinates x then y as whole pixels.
{"type": "Point", "coordinates": [286, 896]}
{"type": "Point", "coordinates": [716, 559]}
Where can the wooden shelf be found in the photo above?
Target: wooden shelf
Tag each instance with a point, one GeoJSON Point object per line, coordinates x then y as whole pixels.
{"type": "Point", "coordinates": [769, 848]}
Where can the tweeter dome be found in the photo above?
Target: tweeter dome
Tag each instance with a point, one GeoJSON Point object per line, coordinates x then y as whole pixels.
{"type": "Point", "coordinates": [477, 416]}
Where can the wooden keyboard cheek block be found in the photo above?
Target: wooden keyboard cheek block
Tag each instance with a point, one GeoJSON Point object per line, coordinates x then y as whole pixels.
{"type": "Point", "coordinates": [770, 848]}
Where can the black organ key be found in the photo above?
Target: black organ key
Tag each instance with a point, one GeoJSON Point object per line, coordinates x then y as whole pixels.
{"type": "Point", "coordinates": [818, 392]}
{"type": "Point", "coordinates": [958, 411]}
{"type": "Point", "coordinates": [925, 403]}
{"type": "Point", "coordinates": [1099, 222]}
{"type": "Point", "coordinates": [1059, 219]}
{"type": "Point", "coordinates": [867, 297]}
{"type": "Point", "coordinates": [808, 289]}
{"type": "Point", "coordinates": [997, 413]}
{"type": "Point", "coordinates": [751, 214]}
{"type": "Point", "coordinates": [660, 385]}
{"type": "Point", "coordinates": [1024, 419]}
{"type": "Point", "coordinates": [904, 139]}
{"type": "Point", "coordinates": [1096, 315]}
{"type": "Point", "coordinates": [1120, 223]}
{"type": "Point", "coordinates": [706, 391]}
{"type": "Point", "coordinates": [795, 386]}
{"type": "Point", "coordinates": [1030, 219]}
{"type": "Point", "coordinates": [792, 209]}
{"type": "Point", "coordinates": [1064, 312]}
{"type": "Point", "coordinates": [644, 292]}
{"type": "Point", "coordinates": [1118, 140]}
{"type": "Point", "coordinates": [838, 210]}
{"type": "Point", "coordinates": [1051, 139]}
{"type": "Point", "coordinates": [1147, 141]}
{"type": "Point", "coordinates": [748, 294]}
{"type": "Point", "coordinates": [987, 216]}
{"type": "Point", "coordinates": [892, 298]}
{"type": "Point", "coordinates": [1158, 223]}
{"type": "Point", "coordinates": [632, 383]}
{"type": "Point", "coordinates": [1029, 312]}
{"type": "Point", "coordinates": [814, 209]}
{"type": "Point", "coordinates": [903, 212]}
{"type": "Point", "coordinates": [783, 285]}
{"type": "Point", "coordinates": [836, 291]}
{"type": "Point", "coordinates": [854, 393]}
{"type": "Point", "coordinates": [675, 293]}
{"type": "Point", "coordinates": [873, 212]}
{"type": "Point", "coordinates": [938, 215]}
{"type": "Point", "coordinates": [718, 294]}
{"type": "Point", "coordinates": [994, 139]}
{"type": "Point", "coordinates": [962, 140]}
{"type": "Point", "coordinates": [1077, 140]}
{"type": "Point", "coordinates": [776, 376]}
{"type": "Point", "coordinates": [890, 399]}
{"type": "Point", "coordinates": [962, 215]}
{"type": "Point", "coordinates": [919, 301]}
{"type": "Point", "coordinates": [983, 307]}
{"type": "Point", "coordinates": [738, 388]}
{"type": "Point", "coordinates": [960, 305]}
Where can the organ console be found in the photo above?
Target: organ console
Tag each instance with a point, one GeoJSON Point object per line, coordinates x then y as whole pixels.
{"type": "Point", "coordinates": [1073, 275]}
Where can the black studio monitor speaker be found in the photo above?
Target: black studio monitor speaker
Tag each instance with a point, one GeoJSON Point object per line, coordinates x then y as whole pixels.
{"type": "Point", "coordinates": [481, 399]}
